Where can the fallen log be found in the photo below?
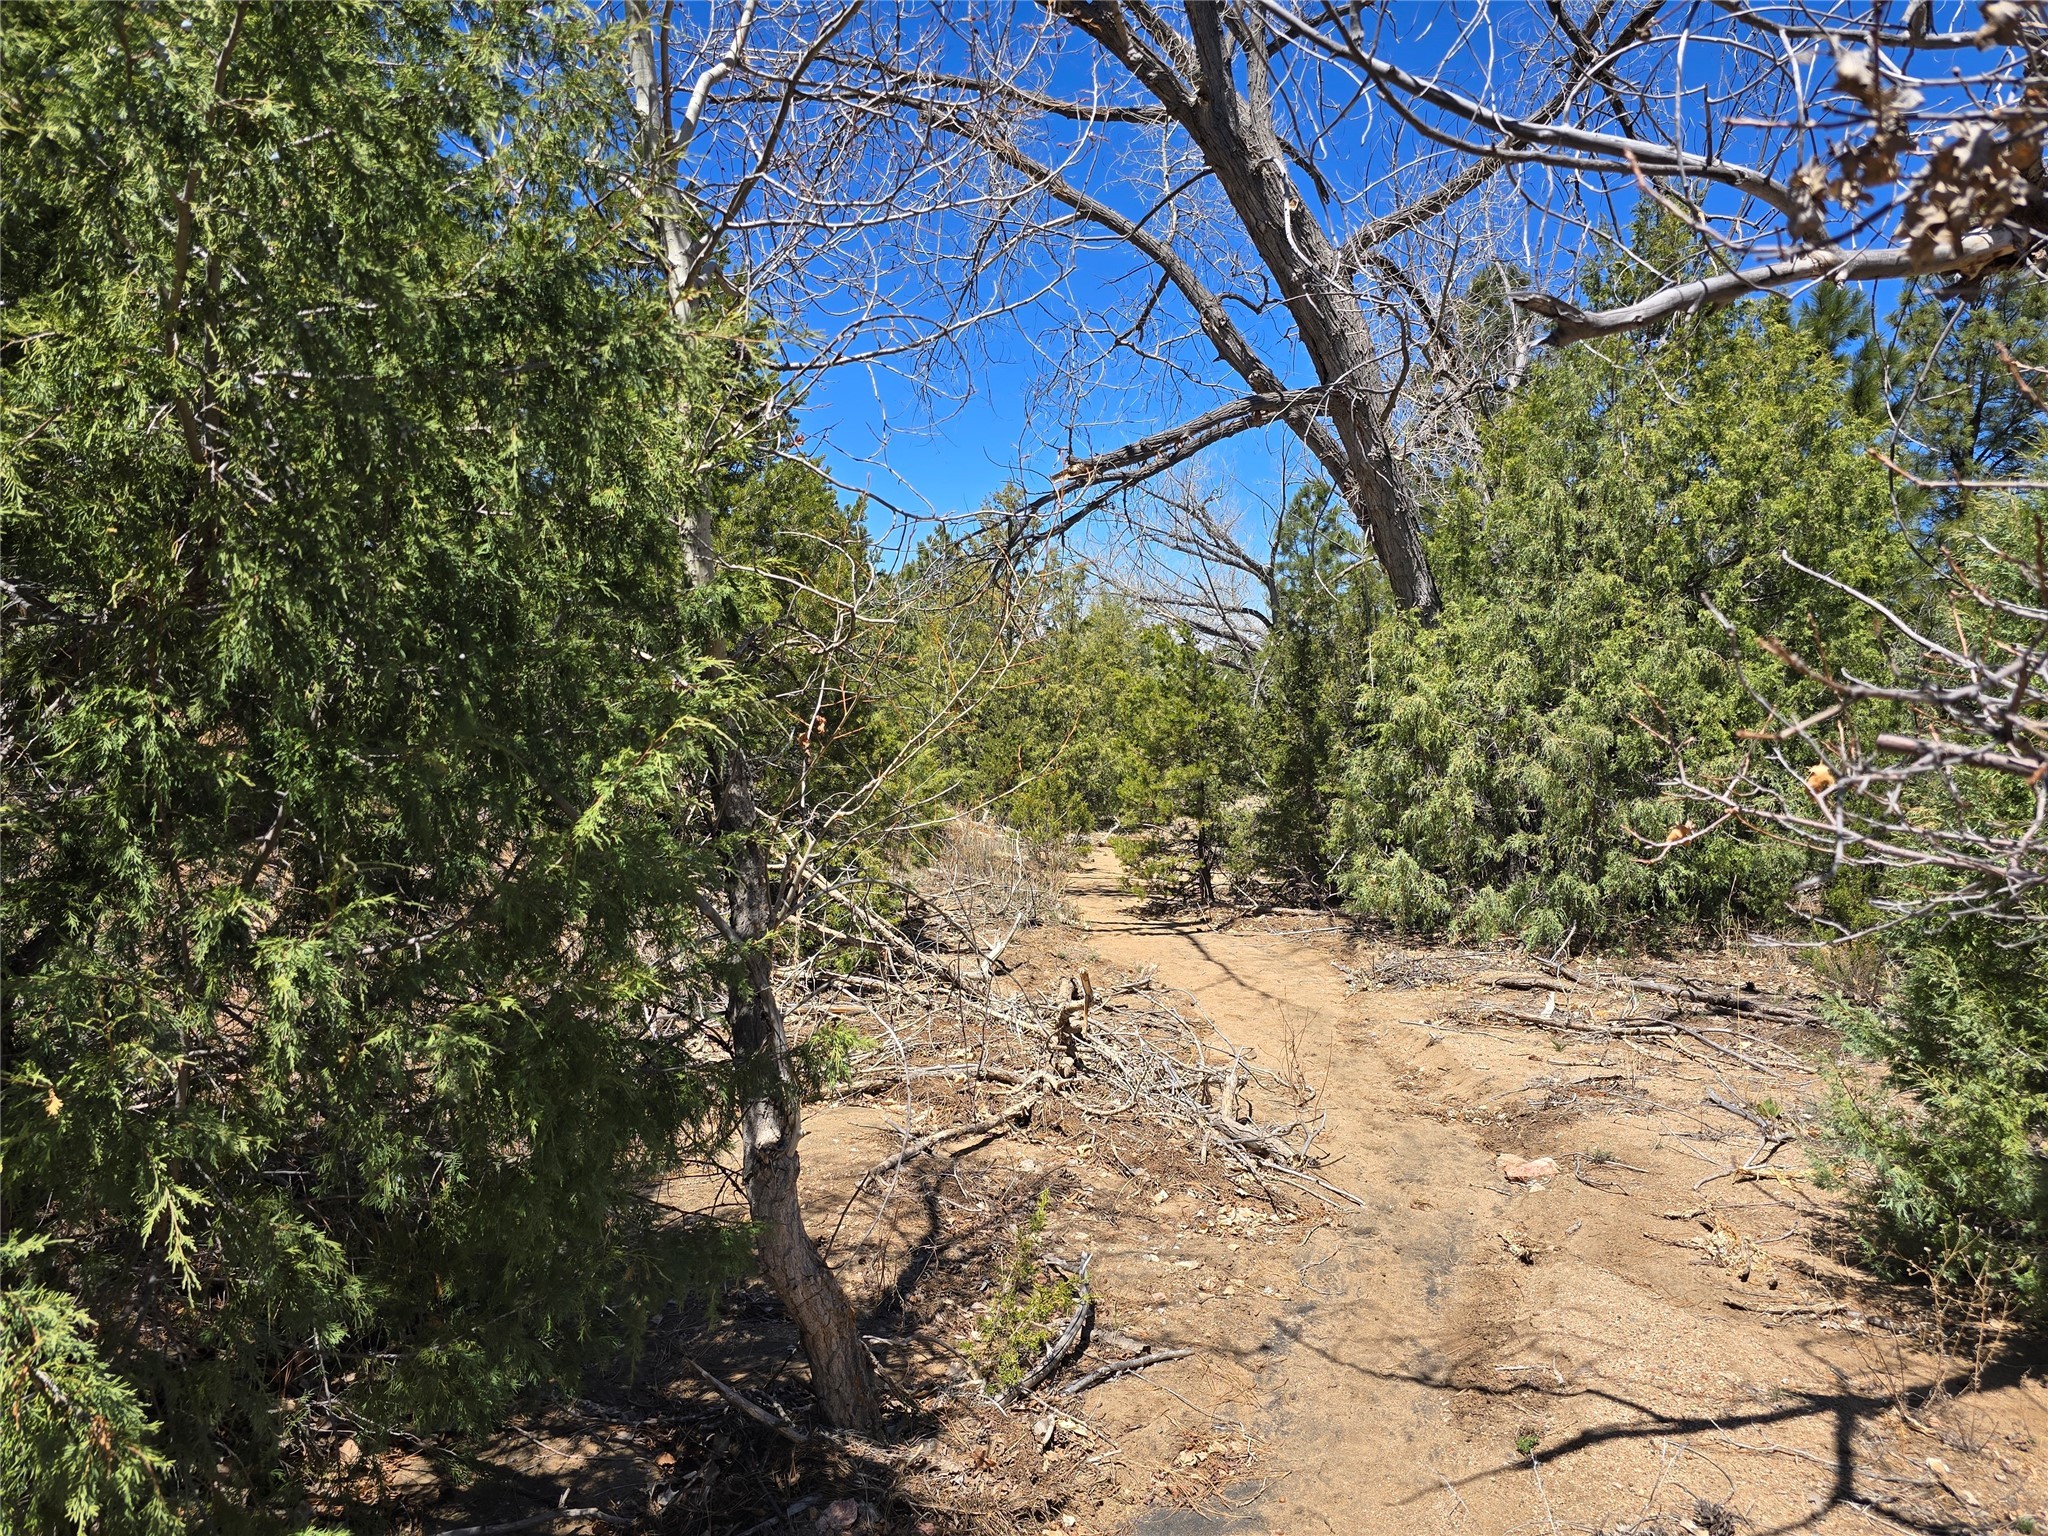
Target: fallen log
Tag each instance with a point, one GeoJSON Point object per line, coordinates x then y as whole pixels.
{"type": "Point", "coordinates": [1805, 1309]}
{"type": "Point", "coordinates": [1619, 1030]}
{"type": "Point", "coordinates": [874, 1082]}
{"type": "Point", "coordinates": [1712, 998]}
{"type": "Point", "coordinates": [1265, 1146]}
{"type": "Point", "coordinates": [1563, 1021]}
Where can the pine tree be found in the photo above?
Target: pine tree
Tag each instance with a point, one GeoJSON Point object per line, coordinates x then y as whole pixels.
{"type": "Point", "coordinates": [1965, 412]}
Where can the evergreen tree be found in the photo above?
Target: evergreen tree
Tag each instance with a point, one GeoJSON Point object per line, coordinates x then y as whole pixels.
{"type": "Point", "coordinates": [1055, 738]}
{"type": "Point", "coordinates": [1958, 377]}
{"type": "Point", "coordinates": [1503, 782]}
{"type": "Point", "coordinates": [1950, 1177]}
{"type": "Point", "coordinates": [1101, 716]}
{"type": "Point", "coordinates": [1842, 323]}
{"type": "Point", "coordinates": [354, 695]}
{"type": "Point", "coordinates": [1188, 725]}
{"type": "Point", "coordinates": [1309, 674]}
{"type": "Point", "coordinates": [1964, 410]}
{"type": "Point", "coordinates": [1943, 1155]}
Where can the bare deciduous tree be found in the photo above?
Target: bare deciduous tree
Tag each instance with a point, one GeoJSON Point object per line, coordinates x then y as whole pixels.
{"type": "Point", "coordinates": [1802, 142]}
{"type": "Point", "coordinates": [1251, 214]}
{"type": "Point", "coordinates": [1205, 150]}
{"type": "Point", "coordinates": [1195, 219]}
{"type": "Point", "coordinates": [771, 1099]}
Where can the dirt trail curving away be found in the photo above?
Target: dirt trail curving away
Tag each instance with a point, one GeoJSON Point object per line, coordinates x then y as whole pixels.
{"type": "Point", "coordinates": [1402, 1367]}
{"type": "Point", "coordinates": [1639, 1345]}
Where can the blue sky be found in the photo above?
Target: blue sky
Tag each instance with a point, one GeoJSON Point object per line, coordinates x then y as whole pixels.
{"type": "Point", "coordinates": [951, 465]}
{"type": "Point", "coordinates": [874, 433]}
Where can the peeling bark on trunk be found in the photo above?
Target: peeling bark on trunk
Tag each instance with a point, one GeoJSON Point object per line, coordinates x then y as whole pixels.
{"type": "Point", "coordinates": [1236, 133]}
{"type": "Point", "coordinates": [771, 1102]}
{"type": "Point", "coordinates": [771, 1122]}
{"type": "Point", "coordinates": [1234, 129]}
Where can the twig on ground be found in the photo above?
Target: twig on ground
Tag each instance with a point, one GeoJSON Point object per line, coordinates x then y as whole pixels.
{"type": "Point", "coordinates": [749, 1407]}
{"type": "Point", "coordinates": [1018, 1113]}
{"type": "Point", "coordinates": [1795, 1309]}
{"type": "Point", "coordinates": [1061, 1349]}
{"type": "Point", "coordinates": [1751, 1174]}
{"type": "Point", "coordinates": [1741, 1112]}
{"type": "Point", "coordinates": [534, 1522]}
{"type": "Point", "coordinates": [1102, 1373]}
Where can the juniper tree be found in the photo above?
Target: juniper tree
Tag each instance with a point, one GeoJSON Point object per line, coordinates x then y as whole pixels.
{"type": "Point", "coordinates": [1310, 673]}
{"type": "Point", "coordinates": [1504, 780]}
{"type": "Point", "coordinates": [356, 717]}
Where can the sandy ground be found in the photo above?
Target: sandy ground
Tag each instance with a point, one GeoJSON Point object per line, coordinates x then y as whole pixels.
{"type": "Point", "coordinates": [1382, 1364]}
{"type": "Point", "coordinates": [1639, 1344]}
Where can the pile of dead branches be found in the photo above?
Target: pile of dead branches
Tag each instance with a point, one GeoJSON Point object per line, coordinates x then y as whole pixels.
{"type": "Point", "coordinates": [1678, 1013]}
{"type": "Point", "coordinates": [1132, 1048]}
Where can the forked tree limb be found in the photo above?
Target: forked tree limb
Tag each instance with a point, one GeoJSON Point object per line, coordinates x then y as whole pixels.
{"type": "Point", "coordinates": [1102, 1373]}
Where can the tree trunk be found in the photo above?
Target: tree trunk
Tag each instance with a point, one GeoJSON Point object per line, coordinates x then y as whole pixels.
{"type": "Point", "coordinates": [1384, 504]}
{"type": "Point", "coordinates": [771, 1100]}
{"type": "Point", "coordinates": [1235, 131]}
{"type": "Point", "coordinates": [771, 1122]}
{"type": "Point", "coordinates": [1238, 138]}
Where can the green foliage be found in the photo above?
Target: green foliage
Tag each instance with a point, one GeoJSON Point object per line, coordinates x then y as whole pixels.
{"type": "Point", "coordinates": [1132, 849]}
{"type": "Point", "coordinates": [1068, 720]}
{"type": "Point", "coordinates": [75, 1451]}
{"type": "Point", "coordinates": [1309, 674]}
{"type": "Point", "coordinates": [1163, 865]}
{"type": "Point", "coordinates": [1002, 645]}
{"type": "Point", "coordinates": [1027, 1310]}
{"type": "Point", "coordinates": [1187, 722]}
{"type": "Point", "coordinates": [824, 1060]}
{"type": "Point", "coordinates": [792, 557]}
{"type": "Point", "coordinates": [1966, 414]}
{"type": "Point", "coordinates": [1945, 1158]}
{"type": "Point", "coordinates": [1955, 1146]}
{"type": "Point", "coordinates": [355, 695]}
{"type": "Point", "coordinates": [1501, 782]}
{"type": "Point", "coordinates": [1104, 717]}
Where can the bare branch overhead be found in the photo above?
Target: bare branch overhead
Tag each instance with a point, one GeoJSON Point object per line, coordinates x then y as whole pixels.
{"type": "Point", "coordinates": [1800, 141]}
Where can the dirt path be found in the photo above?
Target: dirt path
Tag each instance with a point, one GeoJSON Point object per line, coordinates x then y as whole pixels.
{"type": "Point", "coordinates": [1641, 1345]}
{"type": "Point", "coordinates": [1390, 1365]}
